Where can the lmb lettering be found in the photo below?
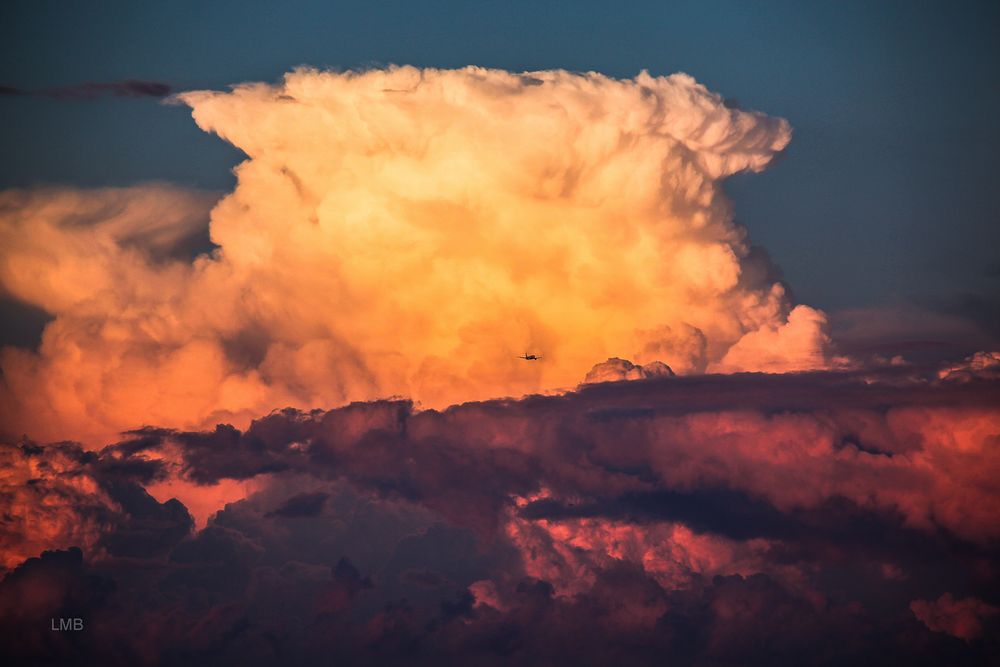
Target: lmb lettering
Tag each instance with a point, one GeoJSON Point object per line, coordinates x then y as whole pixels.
{"type": "Point", "coordinates": [67, 624]}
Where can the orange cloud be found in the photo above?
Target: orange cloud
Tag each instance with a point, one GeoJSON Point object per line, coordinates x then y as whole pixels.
{"type": "Point", "coordinates": [47, 506]}
{"type": "Point", "coordinates": [403, 232]}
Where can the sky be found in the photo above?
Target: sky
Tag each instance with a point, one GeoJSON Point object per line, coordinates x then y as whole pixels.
{"type": "Point", "coordinates": [490, 333]}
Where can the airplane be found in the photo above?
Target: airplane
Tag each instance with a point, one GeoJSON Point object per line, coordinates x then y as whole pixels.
{"type": "Point", "coordinates": [531, 357]}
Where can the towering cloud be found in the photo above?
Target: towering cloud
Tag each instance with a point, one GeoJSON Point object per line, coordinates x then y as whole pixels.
{"type": "Point", "coordinates": [404, 232]}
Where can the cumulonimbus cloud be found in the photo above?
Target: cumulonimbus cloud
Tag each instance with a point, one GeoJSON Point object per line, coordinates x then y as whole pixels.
{"type": "Point", "coordinates": [405, 232]}
{"type": "Point", "coordinates": [412, 232]}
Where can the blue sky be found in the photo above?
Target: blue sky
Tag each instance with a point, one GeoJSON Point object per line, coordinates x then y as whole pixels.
{"type": "Point", "coordinates": [886, 197]}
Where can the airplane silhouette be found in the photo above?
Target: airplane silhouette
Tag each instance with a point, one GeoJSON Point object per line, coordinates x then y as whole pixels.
{"type": "Point", "coordinates": [531, 357]}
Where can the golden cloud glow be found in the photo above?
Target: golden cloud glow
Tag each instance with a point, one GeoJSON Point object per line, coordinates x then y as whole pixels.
{"type": "Point", "coordinates": [404, 231]}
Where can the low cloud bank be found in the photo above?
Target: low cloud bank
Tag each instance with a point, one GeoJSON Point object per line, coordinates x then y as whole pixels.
{"type": "Point", "coordinates": [749, 518]}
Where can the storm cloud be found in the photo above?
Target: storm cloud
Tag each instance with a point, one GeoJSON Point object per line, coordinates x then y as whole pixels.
{"type": "Point", "coordinates": [406, 232]}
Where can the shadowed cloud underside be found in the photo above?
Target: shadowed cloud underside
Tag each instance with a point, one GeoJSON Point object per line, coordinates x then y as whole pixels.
{"type": "Point", "coordinates": [829, 517]}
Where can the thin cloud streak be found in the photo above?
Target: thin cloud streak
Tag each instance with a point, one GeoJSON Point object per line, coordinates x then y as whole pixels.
{"type": "Point", "coordinates": [128, 88]}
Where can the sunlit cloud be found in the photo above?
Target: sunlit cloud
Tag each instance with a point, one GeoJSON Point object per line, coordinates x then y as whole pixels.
{"type": "Point", "coordinates": [404, 232]}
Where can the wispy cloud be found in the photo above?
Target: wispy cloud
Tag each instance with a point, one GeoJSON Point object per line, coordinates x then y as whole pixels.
{"type": "Point", "coordinates": [132, 88]}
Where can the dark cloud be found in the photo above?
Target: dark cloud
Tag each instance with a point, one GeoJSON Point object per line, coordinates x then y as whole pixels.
{"type": "Point", "coordinates": [132, 88]}
{"type": "Point", "coordinates": [932, 329]}
{"type": "Point", "coordinates": [302, 505]}
{"type": "Point", "coordinates": [983, 308]}
{"type": "Point", "coordinates": [147, 528]}
{"type": "Point", "coordinates": [719, 511]}
{"type": "Point", "coordinates": [426, 578]}
{"type": "Point", "coordinates": [744, 519]}
{"type": "Point", "coordinates": [23, 323]}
